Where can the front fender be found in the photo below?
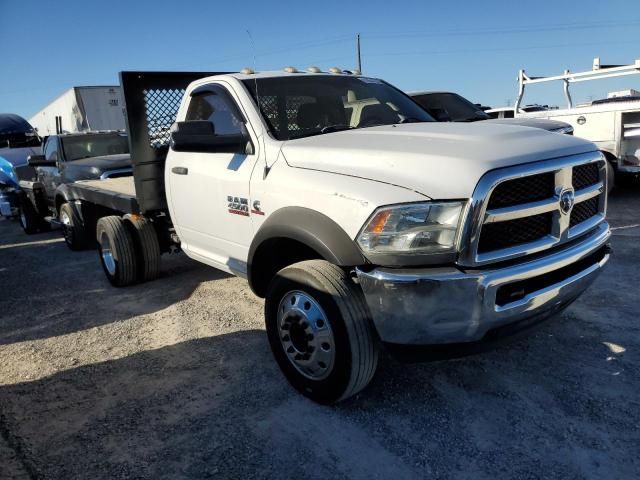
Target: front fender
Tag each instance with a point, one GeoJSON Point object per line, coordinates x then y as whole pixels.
{"type": "Point", "coordinates": [308, 227]}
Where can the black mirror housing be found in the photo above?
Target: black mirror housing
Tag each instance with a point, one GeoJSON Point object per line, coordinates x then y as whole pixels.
{"type": "Point", "coordinates": [40, 161]}
{"type": "Point", "coordinates": [199, 136]}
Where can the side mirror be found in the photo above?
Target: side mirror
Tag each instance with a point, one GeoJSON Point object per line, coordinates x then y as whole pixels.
{"type": "Point", "coordinates": [40, 161]}
{"type": "Point", "coordinates": [200, 136]}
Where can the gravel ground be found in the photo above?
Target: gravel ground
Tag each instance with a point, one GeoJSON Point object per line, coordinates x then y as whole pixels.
{"type": "Point", "coordinates": [174, 379]}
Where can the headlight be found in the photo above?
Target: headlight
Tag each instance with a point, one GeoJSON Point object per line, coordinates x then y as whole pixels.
{"type": "Point", "coordinates": [416, 228]}
{"type": "Point", "coordinates": [568, 130]}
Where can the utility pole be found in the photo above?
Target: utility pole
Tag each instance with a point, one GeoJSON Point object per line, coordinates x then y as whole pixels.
{"type": "Point", "coordinates": [358, 52]}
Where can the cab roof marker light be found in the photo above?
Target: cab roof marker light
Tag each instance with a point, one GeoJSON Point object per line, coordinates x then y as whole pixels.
{"type": "Point", "coordinates": [314, 69]}
{"type": "Point", "coordinates": [291, 70]}
{"type": "Point", "coordinates": [247, 71]}
{"type": "Point", "coordinates": [335, 70]}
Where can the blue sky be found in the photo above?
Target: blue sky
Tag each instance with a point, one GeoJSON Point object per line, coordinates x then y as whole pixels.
{"type": "Point", "coordinates": [472, 47]}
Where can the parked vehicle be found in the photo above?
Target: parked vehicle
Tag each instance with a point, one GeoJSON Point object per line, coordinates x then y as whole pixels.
{"type": "Point", "coordinates": [69, 158]}
{"type": "Point", "coordinates": [451, 107]}
{"type": "Point", "coordinates": [613, 124]}
{"type": "Point", "coordinates": [509, 112]}
{"type": "Point", "coordinates": [18, 140]}
{"type": "Point", "coordinates": [82, 109]}
{"type": "Point", "coordinates": [398, 231]}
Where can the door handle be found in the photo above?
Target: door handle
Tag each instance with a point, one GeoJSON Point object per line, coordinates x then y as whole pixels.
{"type": "Point", "coordinates": [180, 170]}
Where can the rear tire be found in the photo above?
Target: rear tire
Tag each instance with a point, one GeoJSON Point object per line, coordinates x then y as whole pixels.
{"type": "Point", "coordinates": [117, 252]}
{"type": "Point", "coordinates": [73, 230]}
{"type": "Point", "coordinates": [146, 240]}
{"type": "Point", "coordinates": [320, 331]}
{"type": "Point", "coordinates": [28, 218]}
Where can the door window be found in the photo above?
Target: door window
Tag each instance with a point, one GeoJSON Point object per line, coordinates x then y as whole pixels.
{"type": "Point", "coordinates": [215, 106]}
{"type": "Point", "coordinates": [51, 149]}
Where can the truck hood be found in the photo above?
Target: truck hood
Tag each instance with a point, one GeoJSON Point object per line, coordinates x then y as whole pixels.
{"type": "Point", "coordinates": [439, 160]}
{"type": "Point", "coordinates": [104, 163]}
{"type": "Point", "coordinates": [530, 122]}
{"type": "Point", "coordinates": [18, 156]}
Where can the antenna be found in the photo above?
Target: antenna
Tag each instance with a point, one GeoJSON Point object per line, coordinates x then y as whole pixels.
{"type": "Point", "coordinates": [358, 53]}
{"type": "Point", "coordinates": [255, 82]}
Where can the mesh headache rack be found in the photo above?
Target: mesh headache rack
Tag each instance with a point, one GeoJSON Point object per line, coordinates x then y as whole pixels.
{"type": "Point", "coordinates": [152, 100]}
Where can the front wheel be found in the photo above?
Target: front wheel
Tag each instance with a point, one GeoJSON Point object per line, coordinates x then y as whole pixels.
{"type": "Point", "coordinates": [320, 331]}
{"type": "Point", "coordinates": [28, 218]}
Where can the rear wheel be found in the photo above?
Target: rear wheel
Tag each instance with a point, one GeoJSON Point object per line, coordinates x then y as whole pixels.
{"type": "Point", "coordinates": [146, 240]}
{"type": "Point", "coordinates": [320, 331]}
{"type": "Point", "coordinates": [116, 248]}
{"type": "Point", "coordinates": [73, 230]}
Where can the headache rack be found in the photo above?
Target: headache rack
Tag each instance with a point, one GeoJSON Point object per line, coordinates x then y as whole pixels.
{"type": "Point", "coordinates": [152, 100]}
{"type": "Point", "coordinates": [597, 72]}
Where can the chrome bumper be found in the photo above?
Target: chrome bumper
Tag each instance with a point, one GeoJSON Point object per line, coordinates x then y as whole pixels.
{"type": "Point", "coordinates": [447, 305]}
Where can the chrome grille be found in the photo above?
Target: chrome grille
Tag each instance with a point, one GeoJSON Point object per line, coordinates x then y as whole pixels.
{"type": "Point", "coordinates": [525, 209]}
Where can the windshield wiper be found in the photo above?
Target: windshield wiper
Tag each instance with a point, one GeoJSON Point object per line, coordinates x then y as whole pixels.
{"type": "Point", "coordinates": [411, 120]}
{"type": "Point", "coordinates": [335, 128]}
{"type": "Point", "coordinates": [323, 130]}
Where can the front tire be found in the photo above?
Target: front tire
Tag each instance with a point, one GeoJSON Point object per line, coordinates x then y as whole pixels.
{"type": "Point", "coordinates": [28, 218]}
{"type": "Point", "coordinates": [117, 251]}
{"type": "Point", "coordinates": [73, 230]}
{"type": "Point", "coordinates": [320, 331]}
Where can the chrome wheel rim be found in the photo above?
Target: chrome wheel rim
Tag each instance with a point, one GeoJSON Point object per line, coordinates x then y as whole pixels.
{"type": "Point", "coordinates": [305, 335]}
{"type": "Point", "coordinates": [64, 218]}
{"type": "Point", "coordinates": [66, 224]}
{"type": "Point", "coordinates": [107, 255]}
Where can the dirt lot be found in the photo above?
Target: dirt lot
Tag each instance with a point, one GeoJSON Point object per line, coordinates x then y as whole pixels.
{"type": "Point", "coordinates": [174, 379]}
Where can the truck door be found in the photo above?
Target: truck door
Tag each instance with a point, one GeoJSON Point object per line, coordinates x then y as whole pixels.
{"type": "Point", "coordinates": [208, 193]}
{"type": "Point", "coordinates": [50, 176]}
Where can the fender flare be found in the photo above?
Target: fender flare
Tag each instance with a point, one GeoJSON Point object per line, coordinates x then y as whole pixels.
{"type": "Point", "coordinates": [63, 195]}
{"type": "Point", "coordinates": [311, 228]}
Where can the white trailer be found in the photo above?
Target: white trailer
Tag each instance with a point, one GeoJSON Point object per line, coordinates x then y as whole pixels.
{"type": "Point", "coordinates": [82, 109]}
{"type": "Point", "coordinates": [612, 124]}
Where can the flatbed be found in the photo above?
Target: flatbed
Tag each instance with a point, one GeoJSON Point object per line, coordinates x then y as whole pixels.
{"type": "Point", "coordinates": [117, 194]}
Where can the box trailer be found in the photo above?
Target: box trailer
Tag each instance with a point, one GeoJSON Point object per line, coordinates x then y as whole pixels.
{"type": "Point", "coordinates": [82, 109]}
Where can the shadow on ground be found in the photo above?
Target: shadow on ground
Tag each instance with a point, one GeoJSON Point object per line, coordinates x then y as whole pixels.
{"type": "Point", "coordinates": [44, 287]}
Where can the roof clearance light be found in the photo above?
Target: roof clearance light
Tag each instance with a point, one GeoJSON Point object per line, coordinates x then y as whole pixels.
{"type": "Point", "coordinates": [291, 70]}
{"type": "Point", "coordinates": [335, 70]}
{"type": "Point", "coordinates": [247, 71]}
{"type": "Point", "coordinates": [314, 70]}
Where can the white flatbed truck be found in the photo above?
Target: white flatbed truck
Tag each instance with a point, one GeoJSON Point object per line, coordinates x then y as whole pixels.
{"type": "Point", "coordinates": [397, 232]}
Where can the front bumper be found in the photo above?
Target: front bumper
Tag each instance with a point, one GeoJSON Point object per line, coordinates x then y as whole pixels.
{"type": "Point", "coordinates": [447, 305]}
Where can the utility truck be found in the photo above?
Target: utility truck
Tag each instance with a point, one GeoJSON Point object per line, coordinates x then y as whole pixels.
{"type": "Point", "coordinates": [613, 124]}
{"type": "Point", "coordinates": [396, 232]}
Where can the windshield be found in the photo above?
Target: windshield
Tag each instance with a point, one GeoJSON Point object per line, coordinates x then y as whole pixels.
{"type": "Point", "coordinates": [301, 106]}
{"type": "Point", "coordinates": [86, 146]}
{"type": "Point", "coordinates": [450, 107]}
